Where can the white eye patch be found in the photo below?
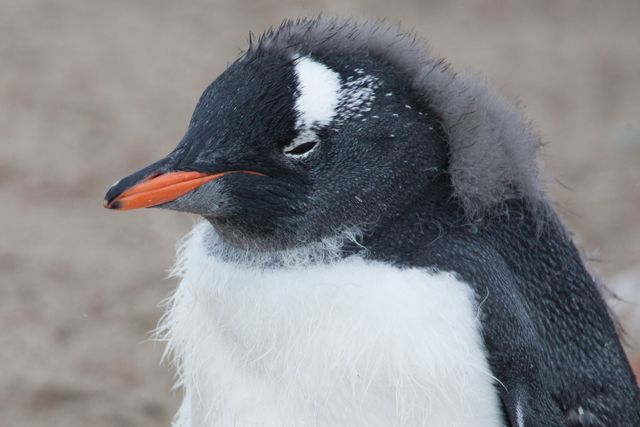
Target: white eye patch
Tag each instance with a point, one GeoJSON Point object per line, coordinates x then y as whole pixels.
{"type": "Point", "coordinates": [318, 93]}
{"type": "Point", "coordinates": [319, 90]}
{"type": "Point", "coordinates": [323, 98]}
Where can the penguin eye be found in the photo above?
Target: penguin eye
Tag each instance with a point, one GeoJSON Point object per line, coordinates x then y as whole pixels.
{"type": "Point", "coordinates": [299, 149]}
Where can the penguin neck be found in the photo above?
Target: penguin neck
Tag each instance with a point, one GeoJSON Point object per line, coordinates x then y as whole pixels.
{"type": "Point", "coordinates": [435, 227]}
{"type": "Point", "coordinates": [419, 221]}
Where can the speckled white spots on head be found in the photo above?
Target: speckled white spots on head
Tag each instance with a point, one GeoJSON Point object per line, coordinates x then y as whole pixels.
{"type": "Point", "coordinates": [358, 94]}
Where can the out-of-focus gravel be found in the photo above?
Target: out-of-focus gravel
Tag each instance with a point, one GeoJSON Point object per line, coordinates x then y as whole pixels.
{"type": "Point", "coordinates": [90, 91]}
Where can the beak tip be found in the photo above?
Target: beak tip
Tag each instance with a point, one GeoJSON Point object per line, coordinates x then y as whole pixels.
{"type": "Point", "coordinates": [114, 204]}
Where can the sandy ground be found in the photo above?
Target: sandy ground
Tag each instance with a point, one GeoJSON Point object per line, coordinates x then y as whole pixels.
{"type": "Point", "coordinates": [90, 91]}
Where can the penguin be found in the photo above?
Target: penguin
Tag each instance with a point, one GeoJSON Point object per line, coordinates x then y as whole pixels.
{"type": "Point", "coordinates": [377, 248]}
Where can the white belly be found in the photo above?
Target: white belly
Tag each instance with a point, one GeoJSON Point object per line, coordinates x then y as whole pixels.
{"type": "Point", "coordinates": [351, 343]}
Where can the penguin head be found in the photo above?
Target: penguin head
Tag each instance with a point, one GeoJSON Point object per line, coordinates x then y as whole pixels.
{"type": "Point", "coordinates": [286, 148]}
{"type": "Point", "coordinates": [329, 124]}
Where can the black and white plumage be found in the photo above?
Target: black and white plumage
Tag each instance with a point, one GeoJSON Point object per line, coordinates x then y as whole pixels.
{"type": "Point", "coordinates": [378, 249]}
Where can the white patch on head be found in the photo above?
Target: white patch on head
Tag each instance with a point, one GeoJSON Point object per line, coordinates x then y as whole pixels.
{"type": "Point", "coordinates": [341, 342]}
{"type": "Point", "coordinates": [323, 98]}
{"type": "Point", "coordinates": [318, 93]}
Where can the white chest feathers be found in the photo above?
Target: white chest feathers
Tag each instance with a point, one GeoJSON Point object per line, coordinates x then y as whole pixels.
{"type": "Point", "coordinates": [350, 343]}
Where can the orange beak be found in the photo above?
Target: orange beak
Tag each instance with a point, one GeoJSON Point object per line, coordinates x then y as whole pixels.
{"type": "Point", "coordinates": [164, 188]}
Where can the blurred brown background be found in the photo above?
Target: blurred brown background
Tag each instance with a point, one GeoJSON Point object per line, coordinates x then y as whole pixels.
{"type": "Point", "coordinates": [90, 91]}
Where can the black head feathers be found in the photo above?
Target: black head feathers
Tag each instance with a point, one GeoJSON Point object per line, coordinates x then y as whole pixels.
{"type": "Point", "coordinates": [332, 124]}
{"type": "Point", "coordinates": [492, 146]}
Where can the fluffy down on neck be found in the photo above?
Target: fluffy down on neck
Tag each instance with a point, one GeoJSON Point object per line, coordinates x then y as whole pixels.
{"type": "Point", "coordinates": [344, 343]}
